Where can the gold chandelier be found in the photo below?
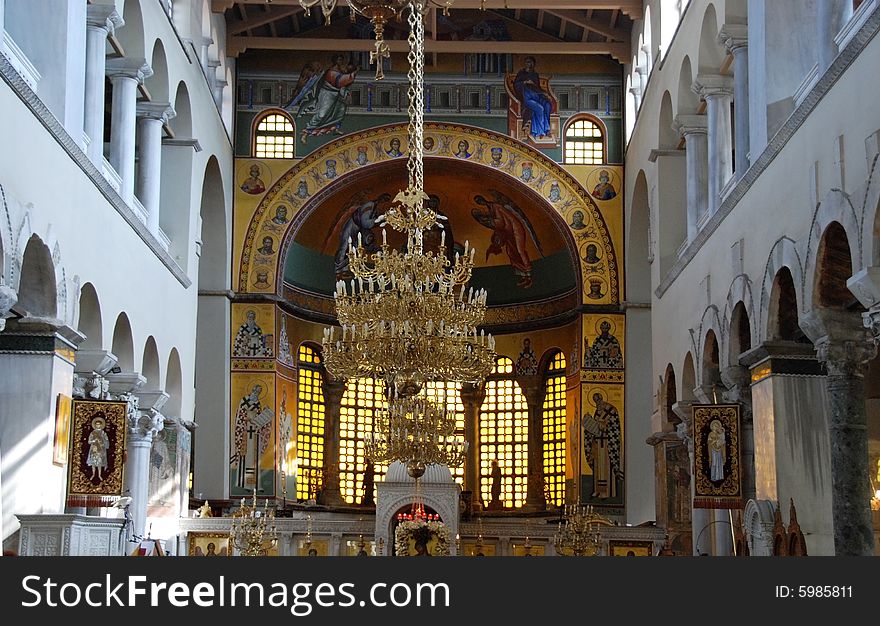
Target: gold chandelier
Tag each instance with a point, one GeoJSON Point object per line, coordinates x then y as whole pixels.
{"type": "Point", "coordinates": [416, 432]}
{"type": "Point", "coordinates": [253, 532]}
{"type": "Point", "coordinates": [378, 12]}
{"type": "Point", "coordinates": [407, 317]}
{"type": "Point", "coordinates": [579, 534]}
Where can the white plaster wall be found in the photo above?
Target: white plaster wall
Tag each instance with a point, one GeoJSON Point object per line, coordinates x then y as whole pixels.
{"type": "Point", "coordinates": [50, 195]}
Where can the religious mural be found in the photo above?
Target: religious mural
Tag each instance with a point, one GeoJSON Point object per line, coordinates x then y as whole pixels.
{"type": "Point", "coordinates": [603, 348]}
{"type": "Point", "coordinates": [717, 472]}
{"type": "Point", "coordinates": [250, 340]}
{"type": "Point", "coordinates": [252, 434]}
{"type": "Point", "coordinates": [321, 96]}
{"type": "Point", "coordinates": [533, 112]}
{"type": "Point", "coordinates": [630, 548]}
{"type": "Point", "coordinates": [601, 430]}
{"type": "Point", "coordinates": [95, 470]}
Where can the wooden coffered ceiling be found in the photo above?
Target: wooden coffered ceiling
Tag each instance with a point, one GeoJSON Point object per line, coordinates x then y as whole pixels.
{"type": "Point", "coordinates": [574, 27]}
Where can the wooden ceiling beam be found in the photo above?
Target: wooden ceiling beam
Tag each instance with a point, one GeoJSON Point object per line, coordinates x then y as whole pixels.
{"type": "Point", "coordinates": [620, 51]}
{"type": "Point", "coordinates": [633, 8]}
{"type": "Point", "coordinates": [579, 18]}
{"type": "Point", "coordinates": [269, 15]}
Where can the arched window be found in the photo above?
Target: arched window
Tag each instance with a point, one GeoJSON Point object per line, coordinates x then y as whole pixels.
{"type": "Point", "coordinates": [274, 136]}
{"type": "Point", "coordinates": [357, 413]}
{"type": "Point", "coordinates": [553, 427]}
{"type": "Point", "coordinates": [449, 394]}
{"type": "Point", "coordinates": [504, 436]}
{"type": "Point", "coordinates": [584, 141]}
{"type": "Point", "coordinates": [310, 424]}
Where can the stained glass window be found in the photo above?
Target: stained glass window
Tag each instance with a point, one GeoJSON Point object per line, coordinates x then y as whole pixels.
{"type": "Point", "coordinates": [356, 418]}
{"type": "Point", "coordinates": [553, 427]}
{"type": "Point", "coordinates": [274, 137]}
{"type": "Point", "coordinates": [310, 424]}
{"type": "Point", "coordinates": [450, 394]}
{"type": "Point", "coordinates": [584, 143]}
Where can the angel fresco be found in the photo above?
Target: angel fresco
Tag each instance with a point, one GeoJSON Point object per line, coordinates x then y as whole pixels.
{"type": "Point", "coordinates": [323, 93]}
{"type": "Point", "coordinates": [358, 220]}
{"type": "Point", "coordinates": [510, 228]}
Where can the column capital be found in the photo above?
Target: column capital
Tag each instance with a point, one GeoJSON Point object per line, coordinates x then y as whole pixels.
{"type": "Point", "coordinates": [713, 86]}
{"type": "Point", "coordinates": [103, 16]}
{"type": "Point", "coordinates": [690, 125]}
{"type": "Point", "coordinates": [143, 425]}
{"type": "Point", "coordinates": [161, 111]}
{"type": "Point", "coordinates": [734, 37]}
{"type": "Point", "coordinates": [124, 67]}
{"type": "Point", "coordinates": [8, 298]}
{"type": "Point", "coordinates": [841, 340]}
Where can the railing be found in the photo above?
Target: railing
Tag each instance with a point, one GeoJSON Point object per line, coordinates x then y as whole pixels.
{"type": "Point", "coordinates": [110, 174]}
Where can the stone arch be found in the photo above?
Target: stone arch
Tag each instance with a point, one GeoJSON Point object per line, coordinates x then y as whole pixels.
{"type": "Point", "coordinates": [739, 295]}
{"type": "Point", "coordinates": [629, 117]}
{"type": "Point", "coordinates": [686, 102]}
{"type": "Point", "coordinates": [835, 208]}
{"type": "Point", "coordinates": [150, 364]}
{"type": "Point", "coordinates": [711, 54]}
{"type": "Point", "coordinates": [871, 215]}
{"type": "Point", "coordinates": [667, 138]}
{"type": "Point", "coordinates": [90, 323]}
{"type": "Point", "coordinates": [758, 520]}
{"type": "Point", "coordinates": [38, 287]}
{"type": "Point", "coordinates": [640, 243]}
{"type": "Point", "coordinates": [647, 45]}
{"type": "Point", "coordinates": [181, 123]}
{"type": "Point", "coordinates": [740, 337]}
{"type": "Point", "coordinates": [710, 322]}
{"type": "Point", "coordinates": [710, 364]}
{"type": "Point", "coordinates": [131, 33]}
{"type": "Point", "coordinates": [832, 263]}
{"type": "Point", "coordinates": [669, 19]}
{"type": "Point", "coordinates": [669, 395]}
{"type": "Point", "coordinates": [123, 343]}
{"type": "Point", "coordinates": [545, 173]}
{"type": "Point", "coordinates": [783, 255]}
{"type": "Point", "coordinates": [688, 380]}
{"type": "Point", "coordinates": [157, 84]}
{"type": "Point", "coordinates": [173, 384]}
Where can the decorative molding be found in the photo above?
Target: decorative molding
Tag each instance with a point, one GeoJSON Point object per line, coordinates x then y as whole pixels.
{"type": "Point", "coordinates": [774, 147]}
{"type": "Point", "coordinates": [58, 132]}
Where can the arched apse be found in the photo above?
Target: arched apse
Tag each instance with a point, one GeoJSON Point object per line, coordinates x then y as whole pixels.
{"type": "Point", "coordinates": [177, 166]}
{"type": "Point", "coordinates": [131, 34]}
{"type": "Point", "coordinates": [123, 343]}
{"type": "Point", "coordinates": [711, 54]}
{"type": "Point", "coordinates": [150, 365]}
{"type": "Point", "coordinates": [157, 83]}
{"type": "Point", "coordinates": [173, 385]}
{"type": "Point", "coordinates": [687, 101]}
{"type": "Point", "coordinates": [90, 323]}
{"type": "Point", "coordinates": [37, 289]}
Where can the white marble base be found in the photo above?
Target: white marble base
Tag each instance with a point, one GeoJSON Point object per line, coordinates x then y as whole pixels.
{"type": "Point", "coordinates": [70, 535]}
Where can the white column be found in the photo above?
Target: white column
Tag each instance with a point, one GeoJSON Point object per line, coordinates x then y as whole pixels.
{"type": "Point", "coordinates": [141, 428]}
{"type": "Point", "coordinates": [204, 44]}
{"type": "Point", "coordinates": [152, 117]}
{"type": "Point", "coordinates": [2, 10]}
{"type": "Point", "coordinates": [126, 75]}
{"type": "Point", "coordinates": [101, 21]}
{"type": "Point", "coordinates": [735, 39]}
{"type": "Point", "coordinates": [828, 25]}
{"type": "Point", "coordinates": [717, 91]}
{"type": "Point", "coordinates": [693, 129]}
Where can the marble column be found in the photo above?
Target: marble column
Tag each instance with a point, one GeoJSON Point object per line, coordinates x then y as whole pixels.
{"type": "Point", "coordinates": [126, 74]}
{"type": "Point", "coordinates": [472, 397]}
{"type": "Point", "coordinates": [533, 390]}
{"type": "Point", "coordinates": [735, 39]}
{"type": "Point", "coordinates": [693, 129]}
{"type": "Point", "coordinates": [717, 91]}
{"type": "Point", "coordinates": [330, 494]}
{"type": "Point", "coordinates": [827, 27]}
{"type": "Point", "coordinates": [700, 518]}
{"type": "Point", "coordinates": [737, 381]}
{"type": "Point", "coordinates": [636, 91]}
{"type": "Point", "coordinates": [102, 21]}
{"type": "Point", "coordinates": [845, 347]}
{"type": "Point", "coordinates": [142, 426]}
{"type": "Point", "coordinates": [152, 116]}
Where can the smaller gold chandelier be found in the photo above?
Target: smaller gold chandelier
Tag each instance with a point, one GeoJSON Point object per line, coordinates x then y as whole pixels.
{"type": "Point", "coordinates": [416, 432]}
{"type": "Point", "coordinates": [579, 534]}
{"type": "Point", "coordinates": [253, 531]}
